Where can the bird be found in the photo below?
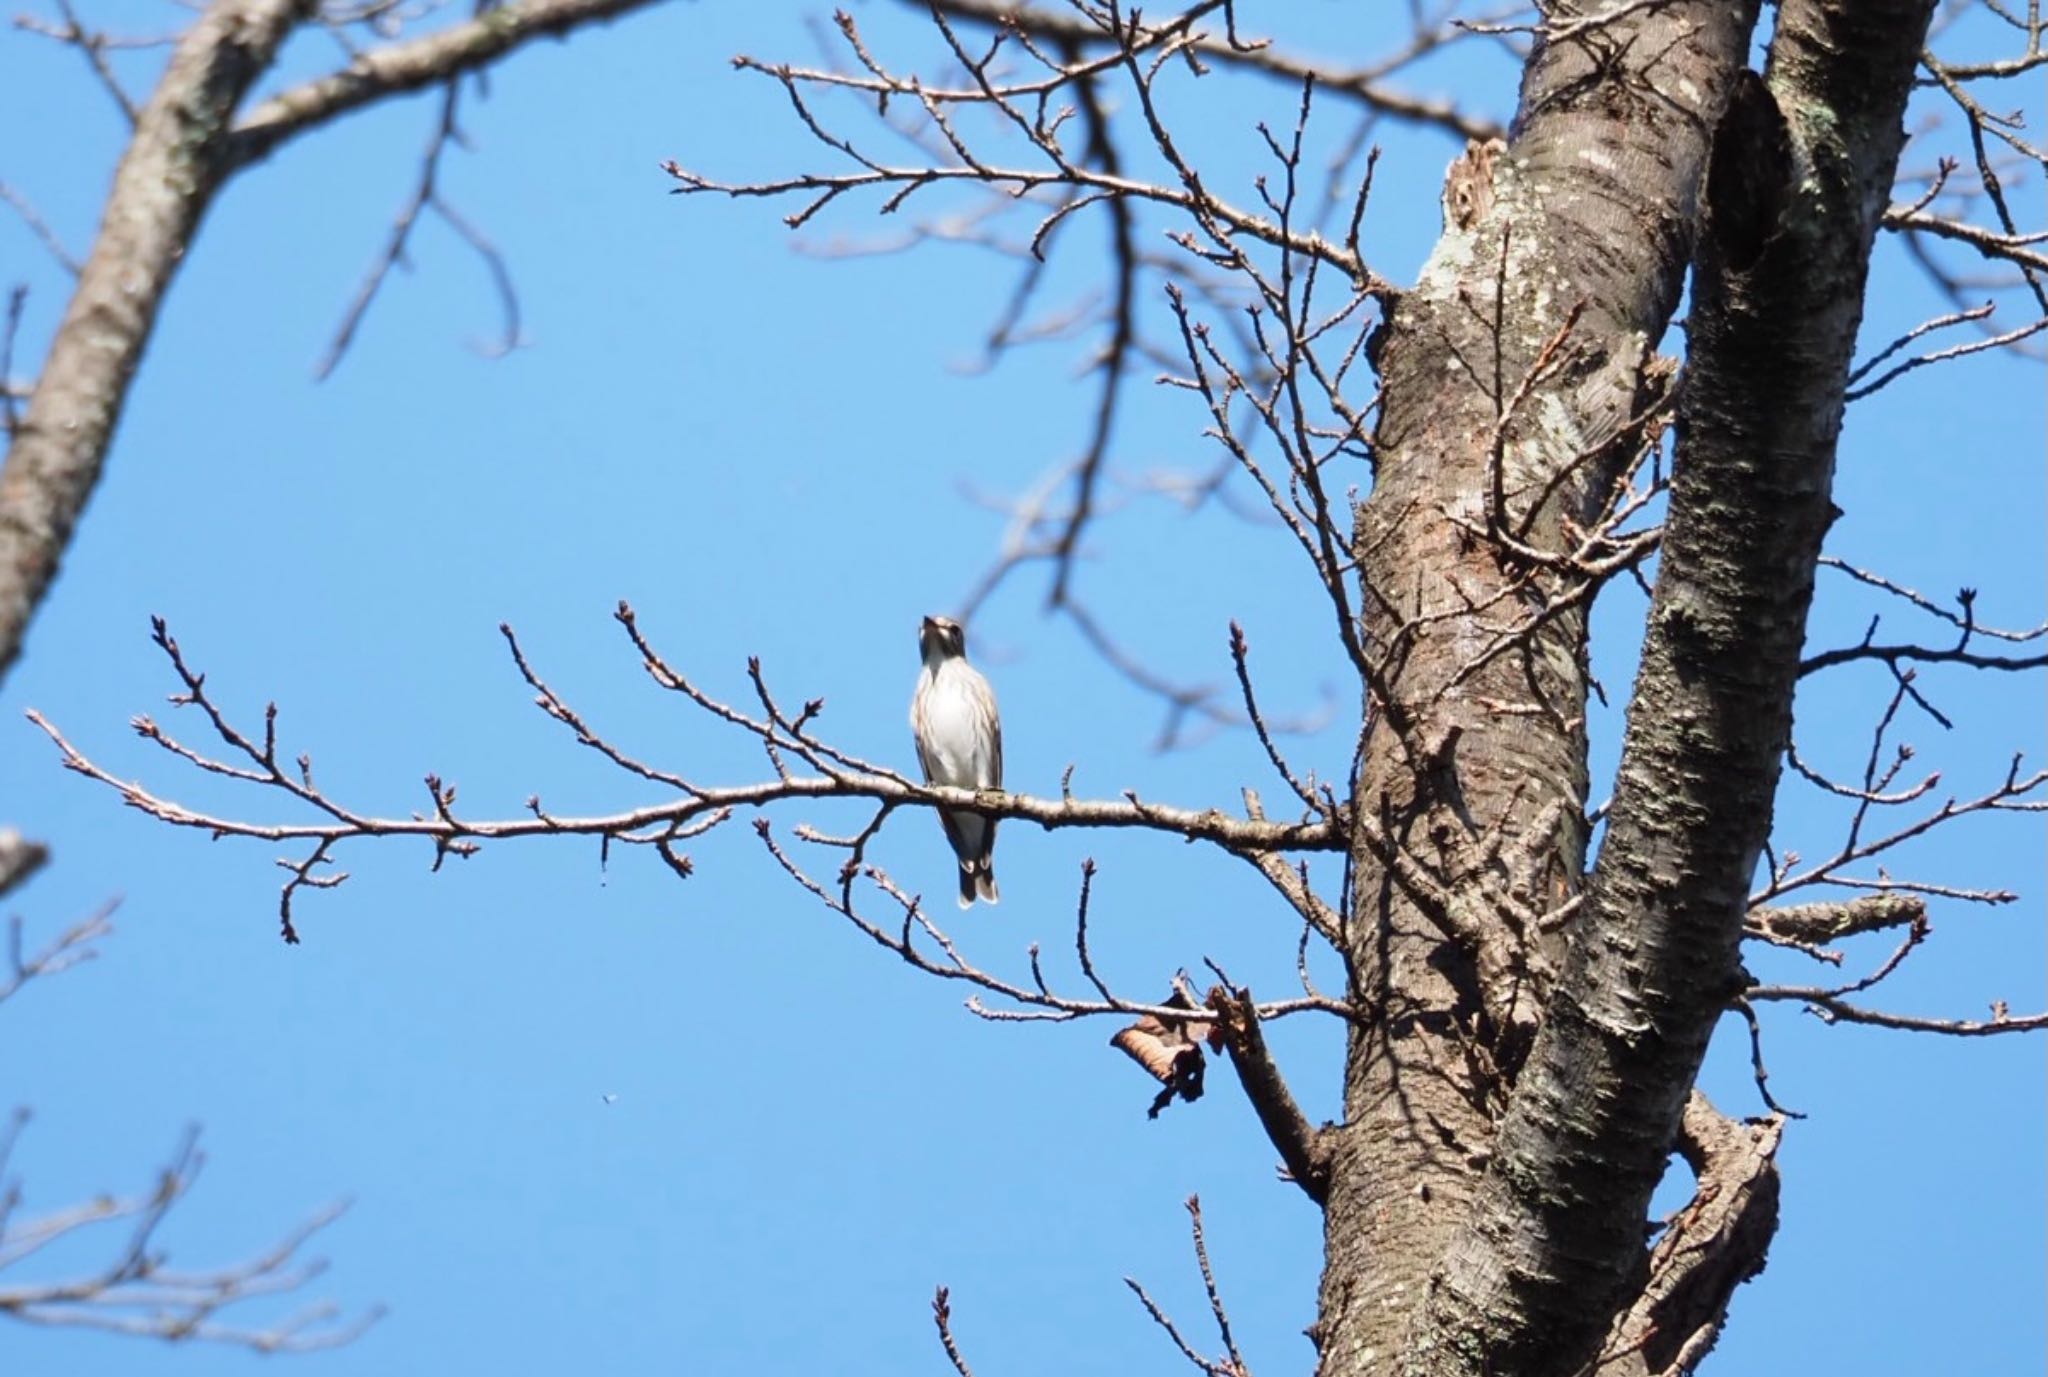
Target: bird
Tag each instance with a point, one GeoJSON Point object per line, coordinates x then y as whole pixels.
{"type": "Point", "coordinates": [959, 744]}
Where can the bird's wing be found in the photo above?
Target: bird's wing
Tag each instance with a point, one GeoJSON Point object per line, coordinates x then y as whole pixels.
{"type": "Point", "coordinates": [992, 720]}
{"type": "Point", "coordinates": [917, 733]}
{"type": "Point", "coordinates": [995, 731]}
{"type": "Point", "coordinates": [995, 725]}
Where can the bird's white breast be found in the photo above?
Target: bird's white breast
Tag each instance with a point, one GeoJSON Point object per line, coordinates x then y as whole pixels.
{"type": "Point", "coordinates": [958, 743]}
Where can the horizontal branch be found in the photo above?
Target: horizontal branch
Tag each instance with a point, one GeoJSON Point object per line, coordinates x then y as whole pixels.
{"type": "Point", "coordinates": [660, 820]}
{"type": "Point", "coordinates": [1921, 654]}
{"type": "Point", "coordinates": [1830, 1007]}
{"type": "Point", "coordinates": [2012, 248]}
{"type": "Point", "coordinates": [1019, 181]}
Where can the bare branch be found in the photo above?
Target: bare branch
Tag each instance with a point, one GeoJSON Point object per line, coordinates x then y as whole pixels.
{"type": "Point", "coordinates": [69, 948]}
{"type": "Point", "coordinates": [1036, 1003]}
{"type": "Point", "coordinates": [1301, 1147]}
{"type": "Point", "coordinates": [411, 66]}
{"type": "Point", "coordinates": [942, 1316]}
{"type": "Point", "coordinates": [41, 229]}
{"type": "Point", "coordinates": [427, 196]}
{"type": "Point", "coordinates": [1232, 1364]}
{"type": "Point", "coordinates": [93, 47]}
{"type": "Point", "coordinates": [1818, 923]}
{"type": "Point", "coordinates": [641, 825]}
{"type": "Point", "coordinates": [136, 1292]}
{"type": "Point", "coordinates": [1830, 1007]}
{"type": "Point", "coordinates": [1963, 618]}
{"type": "Point", "coordinates": [1364, 84]}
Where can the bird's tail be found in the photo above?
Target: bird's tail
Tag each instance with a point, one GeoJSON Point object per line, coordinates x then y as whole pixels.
{"type": "Point", "coordinates": [978, 878]}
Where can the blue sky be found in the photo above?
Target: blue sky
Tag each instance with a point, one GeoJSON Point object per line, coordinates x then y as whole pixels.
{"type": "Point", "coordinates": [595, 1118]}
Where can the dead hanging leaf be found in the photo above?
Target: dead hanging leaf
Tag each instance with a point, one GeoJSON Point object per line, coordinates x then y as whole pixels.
{"type": "Point", "coordinates": [1170, 1049]}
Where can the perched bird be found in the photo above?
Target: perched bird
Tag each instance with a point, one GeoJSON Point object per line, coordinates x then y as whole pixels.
{"type": "Point", "coordinates": [960, 744]}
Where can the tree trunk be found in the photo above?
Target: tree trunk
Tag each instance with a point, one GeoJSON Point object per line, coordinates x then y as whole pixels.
{"type": "Point", "coordinates": [1484, 1218]}
{"type": "Point", "coordinates": [174, 164]}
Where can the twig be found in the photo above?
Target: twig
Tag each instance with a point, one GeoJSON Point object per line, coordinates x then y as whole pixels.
{"type": "Point", "coordinates": [942, 1316]}
{"type": "Point", "coordinates": [40, 227]}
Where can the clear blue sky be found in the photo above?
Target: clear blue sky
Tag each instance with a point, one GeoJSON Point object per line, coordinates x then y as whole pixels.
{"type": "Point", "coordinates": [594, 1119]}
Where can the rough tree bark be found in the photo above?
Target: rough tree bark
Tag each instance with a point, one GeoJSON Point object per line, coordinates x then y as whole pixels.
{"type": "Point", "coordinates": [1590, 207]}
{"type": "Point", "coordinates": [166, 181]}
{"type": "Point", "coordinates": [1485, 1216]}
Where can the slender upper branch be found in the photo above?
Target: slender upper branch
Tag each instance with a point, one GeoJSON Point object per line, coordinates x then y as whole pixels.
{"type": "Point", "coordinates": [413, 65]}
{"type": "Point", "coordinates": [1365, 84]}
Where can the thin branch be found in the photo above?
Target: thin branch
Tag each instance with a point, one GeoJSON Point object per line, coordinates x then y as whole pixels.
{"type": "Point", "coordinates": [413, 65]}
{"type": "Point", "coordinates": [427, 196]}
{"type": "Point", "coordinates": [69, 948]}
{"type": "Point", "coordinates": [136, 1292]}
{"type": "Point", "coordinates": [1036, 1003]}
{"type": "Point", "coordinates": [1758, 1072]}
{"type": "Point", "coordinates": [1830, 1007]}
{"type": "Point", "coordinates": [1237, 1363]}
{"type": "Point", "coordinates": [1362, 84]}
{"type": "Point", "coordinates": [93, 46]}
{"type": "Point", "coordinates": [41, 229]}
{"type": "Point", "coordinates": [942, 1316]}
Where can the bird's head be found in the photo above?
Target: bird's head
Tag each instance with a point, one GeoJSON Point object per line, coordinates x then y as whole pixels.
{"type": "Point", "coordinates": [940, 638]}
